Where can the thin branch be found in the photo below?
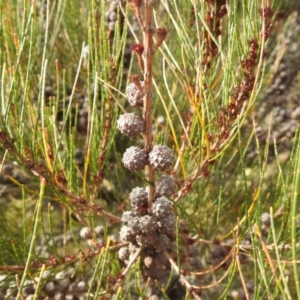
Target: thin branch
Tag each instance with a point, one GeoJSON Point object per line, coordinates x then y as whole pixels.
{"type": "Point", "coordinates": [148, 72]}
{"type": "Point", "coordinates": [237, 259]}
{"type": "Point", "coordinates": [191, 288]}
{"type": "Point", "coordinates": [131, 262]}
{"type": "Point", "coordinates": [215, 267]}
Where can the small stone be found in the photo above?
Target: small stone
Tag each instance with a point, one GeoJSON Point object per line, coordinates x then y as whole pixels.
{"type": "Point", "coordinates": [161, 157]}
{"type": "Point", "coordinates": [46, 273]}
{"type": "Point", "coordinates": [195, 262]}
{"type": "Point", "coordinates": [61, 275]}
{"type": "Point", "coordinates": [28, 288]}
{"type": "Point", "coordinates": [49, 92]}
{"type": "Point", "coordinates": [79, 157]}
{"type": "Point", "coordinates": [71, 297]}
{"type": "Point", "coordinates": [85, 233]}
{"type": "Point", "coordinates": [81, 286]}
{"type": "Point", "coordinates": [266, 219]}
{"type": "Point", "coordinates": [3, 280]}
{"type": "Point", "coordinates": [113, 16]}
{"type": "Point", "coordinates": [130, 124]}
{"type": "Point", "coordinates": [99, 230]}
{"type": "Point", "coordinates": [12, 290]}
{"type": "Point", "coordinates": [148, 261]}
{"type": "Point", "coordinates": [59, 296]}
{"type": "Point", "coordinates": [295, 114]}
{"type": "Point", "coordinates": [64, 285]}
{"type": "Point", "coordinates": [283, 74]}
{"type": "Point", "coordinates": [111, 26]}
{"type": "Point", "coordinates": [50, 288]}
{"type": "Point", "coordinates": [135, 159]}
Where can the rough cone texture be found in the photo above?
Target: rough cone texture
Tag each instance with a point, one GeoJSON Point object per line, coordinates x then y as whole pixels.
{"type": "Point", "coordinates": [151, 231]}
{"type": "Point", "coordinates": [165, 186]}
{"type": "Point", "coordinates": [167, 225]}
{"type": "Point", "coordinates": [148, 224]}
{"type": "Point", "coordinates": [135, 158]}
{"type": "Point", "coordinates": [127, 234]}
{"type": "Point", "coordinates": [161, 157]}
{"type": "Point", "coordinates": [139, 199]}
{"type": "Point", "coordinates": [155, 266]}
{"type": "Point", "coordinates": [162, 207]}
{"type": "Point", "coordinates": [130, 124]}
{"type": "Point", "coordinates": [127, 216]}
{"type": "Point", "coordinates": [134, 96]}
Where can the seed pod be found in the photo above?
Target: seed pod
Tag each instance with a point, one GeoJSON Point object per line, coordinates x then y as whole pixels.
{"type": "Point", "coordinates": [161, 157]}
{"type": "Point", "coordinates": [135, 224]}
{"type": "Point", "coordinates": [127, 234]}
{"type": "Point", "coordinates": [146, 240]}
{"type": "Point", "coordinates": [156, 267]}
{"type": "Point", "coordinates": [130, 124]}
{"type": "Point", "coordinates": [135, 158]}
{"type": "Point", "coordinates": [131, 220]}
{"type": "Point", "coordinates": [167, 225]}
{"type": "Point", "coordinates": [138, 198]}
{"type": "Point", "coordinates": [148, 224]}
{"type": "Point", "coordinates": [162, 207]}
{"type": "Point", "coordinates": [134, 96]}
{"type": "Point", "coordinates": [165, 186]}
{"type": "Point", "coordinates": [127, 216]}
{"type": "Point", "coordinates": [164, 243]}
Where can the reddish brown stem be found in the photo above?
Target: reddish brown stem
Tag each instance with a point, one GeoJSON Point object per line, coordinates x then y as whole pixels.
{"type": "Point", "coordinates": [148, 64]}
{"type": "Point", "coordinates": [138, 49]}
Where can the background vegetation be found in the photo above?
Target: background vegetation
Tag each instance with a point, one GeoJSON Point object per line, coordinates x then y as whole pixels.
{"type": "Point", "coordinates": [227, 103]}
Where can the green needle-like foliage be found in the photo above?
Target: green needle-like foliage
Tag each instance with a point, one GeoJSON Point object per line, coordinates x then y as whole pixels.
{"type": "Point", "coordinates": [225, 99]}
